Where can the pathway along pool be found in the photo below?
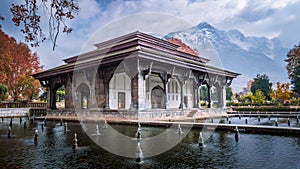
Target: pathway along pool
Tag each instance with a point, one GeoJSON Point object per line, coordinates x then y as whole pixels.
{"type": "Point", "coordinates": [54, 150]}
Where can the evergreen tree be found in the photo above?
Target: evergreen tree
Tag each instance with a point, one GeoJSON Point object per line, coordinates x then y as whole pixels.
{"type": "Point", "coordinates": [229, 93]}
{"type": "Point", "coordinates": [203, 93]}
{"type": "Point", "coordinates": [262, 83]}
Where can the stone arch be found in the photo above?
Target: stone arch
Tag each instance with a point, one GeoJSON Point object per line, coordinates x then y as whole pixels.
{"type": "Point", "coordinates": [83, 96]}
{"type": "Point", "coordinates": [158, 98]}
{"type": "Point", "coordinates": [53, 93]}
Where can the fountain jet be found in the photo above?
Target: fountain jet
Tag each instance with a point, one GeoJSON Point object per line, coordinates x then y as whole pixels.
{"type": "Point", "coordinates": [75, 145]}
{"type": "Point", "coordinates": [201, 140]}
{"type": "Point", "coordinates": [105, 124]}
{"type": "Point", "coordinates": [9, 132]}
{"type": "Point", "coordinates": [179, 130]}
{"type": "Point", "coordinates": [36, 135]}
{"type": "Point", "coordinates": [236, 135]}
{"type": "Point", "coordinates": [139, 154]}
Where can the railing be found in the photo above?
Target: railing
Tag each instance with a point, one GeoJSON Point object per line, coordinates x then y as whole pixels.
{"type": "Point", "coordinates": [14, 112]}
{"type": "Point", "coordinates": [34, 108]}
{"type": "Point", "coordinates": [22, 104]}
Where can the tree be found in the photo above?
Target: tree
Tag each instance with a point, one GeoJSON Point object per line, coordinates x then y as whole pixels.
{"type": "Point", "coordinates": [60, 93]}
{"type": "Point", "coordinates": [20, 63]}
{"type": "Point", "coordinates": [30, 87]}
{"type": "Point", "coordinates": [296, 80]}
{"type": "Point", "coordinates": [203, 93]}
{"type": "Point", "coordinates": [3, 92]}
{"type": "Point", "coordinates": [262, 83]}
{"type": "Point", "coordinates": [292, 61]}
{"type": "Point", "coordinates": [229, 93]}
{"type": "Point", "coordinates": [259, 97]}
{"type": "Point", "coordinates": [281, 93]}
{"type": "Point", "coordinates": [247, 98]}
{"type": "Point", "coordinates": [27, 15]}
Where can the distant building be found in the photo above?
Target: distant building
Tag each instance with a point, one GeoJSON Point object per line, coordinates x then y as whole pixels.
{"type": "Point", "coordinates": [135, 71]}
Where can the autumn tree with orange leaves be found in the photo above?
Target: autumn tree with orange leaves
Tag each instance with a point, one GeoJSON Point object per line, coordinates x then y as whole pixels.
{"type": "Point", "coordinates": [17, 63]}
{"type": "Point", "coordinates": [281, 93]}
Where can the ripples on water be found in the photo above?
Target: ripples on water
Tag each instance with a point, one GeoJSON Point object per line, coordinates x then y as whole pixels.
{"type": "Point", "coordinates": [54, 150]}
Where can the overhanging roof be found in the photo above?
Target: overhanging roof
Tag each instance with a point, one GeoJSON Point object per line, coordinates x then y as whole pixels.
{"type": "Point", "coordinates": [143, 45]}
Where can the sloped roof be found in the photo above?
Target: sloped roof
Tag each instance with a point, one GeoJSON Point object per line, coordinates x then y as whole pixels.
{"type": "Point", "coordinates": [115, 49]}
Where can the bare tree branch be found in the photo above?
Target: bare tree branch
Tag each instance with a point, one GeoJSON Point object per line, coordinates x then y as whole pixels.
{"type": "Point", "coordinates": [26, 15]}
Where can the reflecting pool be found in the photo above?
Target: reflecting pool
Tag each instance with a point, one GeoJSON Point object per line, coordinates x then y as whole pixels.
{"type": "Point", "coordinates": [54, 150]}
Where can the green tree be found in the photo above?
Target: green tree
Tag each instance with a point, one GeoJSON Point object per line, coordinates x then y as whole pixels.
{"type": "Point", "coordinates": [203, 93]}
{"type": "Point", "coordinates": [3, 92]}
{"type": "Point", "coordinates": [247, 98]}
{"type": "Point", "coordinates": [259, 97]}
{"type": "Point", "coordinates": [229, 93]}
{"type": "Point", "coordinates": [262, 83]}
{"type": "Point", "coordinates": [60, 94]}
{"type": "Point", "coordinates": [296, 81]}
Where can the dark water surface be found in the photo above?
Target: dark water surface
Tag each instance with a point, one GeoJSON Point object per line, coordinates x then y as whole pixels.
{"type": "Point", "coordinates": [54, 150]}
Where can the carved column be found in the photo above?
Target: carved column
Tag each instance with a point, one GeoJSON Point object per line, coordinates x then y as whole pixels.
{"type": "Point", "coordinates": [52, 96]}
{"type": "Point", "coordinates": [106, 79]}
{"type": "Point", "coordinates": [197, 97]}
{"type": "Point", "coordinates": [48, 97]}
{"type": "Point", "coordinates": [141, 91]}
{"type": "Point", "coordinates": [220, 96]}
{"type": "Point", "coordinates": [223, 88]}
{"type": "Point", "coordinates": [99, 90]}
{"type": "Point", "coordinates": [134, 92]}
{"type": "Point", "coordinates": [209, 96]}
{"type": "Point", "coordinates": [181, 93]}
{"type": "Point", "coordinates": [68, 92]}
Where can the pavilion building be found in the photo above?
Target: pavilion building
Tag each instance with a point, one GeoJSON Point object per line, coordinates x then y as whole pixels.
{"type": "Point", "coordinates": [136, 71]}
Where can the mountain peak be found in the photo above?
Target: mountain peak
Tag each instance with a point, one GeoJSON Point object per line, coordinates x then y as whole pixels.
{"type": "Point", "coordinates": [204, 25]}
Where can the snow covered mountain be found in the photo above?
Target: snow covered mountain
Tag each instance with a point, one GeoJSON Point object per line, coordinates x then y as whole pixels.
{"type": "Point", "coordinates": [234, 51]}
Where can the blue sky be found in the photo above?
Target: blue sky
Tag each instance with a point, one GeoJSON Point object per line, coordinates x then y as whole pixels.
{"type": "Point", "coordinates": [269, 18]}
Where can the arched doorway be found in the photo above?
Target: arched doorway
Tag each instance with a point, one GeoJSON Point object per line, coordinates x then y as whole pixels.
{"type": "Point", "coordinates": [158, 98]}
{"type": "Point", "coordinates": [83, 94]}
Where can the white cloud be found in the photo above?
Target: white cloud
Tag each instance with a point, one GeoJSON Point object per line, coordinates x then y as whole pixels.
{"type": "Point", "coordinates": [255, 18]}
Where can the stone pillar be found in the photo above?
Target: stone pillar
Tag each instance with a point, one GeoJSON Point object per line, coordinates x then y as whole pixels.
{"type": "Point", "coordinates": [135, 92]}
{"type": "Point", "coordinates": [181, 105]}
{"type": "Point", "coordinates": [219, 95]}
{"type": "Point", "coordinates": [68, 93]}
{"type": "Point", "coordinates": [166, 94]}
{"type": "Point", "coordinates": [141, 91]}
{"type": "Point", "coordinates": [48, 97]}
{"type": "Point", "coordinates": [224, 96]}
{"type": "Point", "coordinates": [105, 76]}
{"type": "Point", "coordinates": [209, 96]}
{"type": "Point", "coordinates": [197, 97]}
{"type": "Point", "coordinates": [99, 90]}
{"type": "Point", "coordinates": [53, 97]}
{"type": "Point", "coordinates": [106, 93]}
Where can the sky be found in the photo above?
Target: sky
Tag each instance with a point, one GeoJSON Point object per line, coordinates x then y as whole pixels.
{"type": "Point", "coordinates": [269, 18]}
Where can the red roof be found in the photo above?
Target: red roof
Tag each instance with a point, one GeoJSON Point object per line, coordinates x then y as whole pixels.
{"type": "Point", "coordinates": [182, 46]}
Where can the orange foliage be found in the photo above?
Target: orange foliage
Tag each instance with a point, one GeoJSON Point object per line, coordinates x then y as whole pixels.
{"type": "Point", "coordinates": [183, 47]}
{"type": "Point", "coordinates": [17, 63]}
{"type": "Point", "coordinates": [282, 92]}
